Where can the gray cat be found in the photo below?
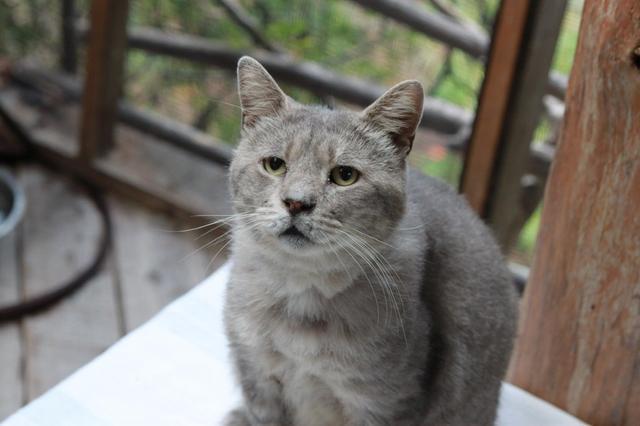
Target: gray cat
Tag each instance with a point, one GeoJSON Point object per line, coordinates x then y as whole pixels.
{"type": "Point", "coordinates": [361, 293]}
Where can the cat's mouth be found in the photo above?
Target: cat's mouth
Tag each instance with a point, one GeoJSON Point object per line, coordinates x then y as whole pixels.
{"type": "Point", "coordinates": [294, 235]}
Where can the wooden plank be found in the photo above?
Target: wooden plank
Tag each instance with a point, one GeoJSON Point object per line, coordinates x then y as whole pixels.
{"type": "Point", "coordinates": [492, 106]}
{"type": "Point", "coordinates": [437, 114]}
{"type": "Point", "coordinates": [469, 39]}
{"type": "Point", "coordinates": [579, 344]}
{"type": "Point", "coordinates": [68, 46]}
{"type": "Point", "coordinates": [138, 169]}
{"type": "Point", "coordinates": [171, 263]}
{"type": "Point", "coordinates": [10, 336]}
{"type": "Point", "coordinates": [104, 70]}
{"type": "Point", "coordinates": [60, 230]}
{"type": "Point", "coordinates": [502, 153]}
{"type": "Point", "coordinates": [505, 210]}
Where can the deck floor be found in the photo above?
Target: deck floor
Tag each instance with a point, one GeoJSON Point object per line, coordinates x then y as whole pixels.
{"type": "Point", "coordinates": [150, 265]}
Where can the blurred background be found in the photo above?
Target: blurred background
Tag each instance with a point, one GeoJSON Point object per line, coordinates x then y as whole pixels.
{"type": "Point", "coordinates": [178, 120]}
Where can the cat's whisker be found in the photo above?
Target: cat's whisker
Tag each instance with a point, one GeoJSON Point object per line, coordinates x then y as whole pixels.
{"type": "Point", "coordinates": [228, 221]}
{"type": "Point", "coordinates": [210, 243]}
{"type": "Point", "coordinates": [373, 292]}
{"type": "Point", "coordinates": [412, 228]}
{"type": "Point", "coordinates": [379, 267]}
{"type": "Point", "coordinates": [206, 225]}
{"type": "Point", "coordinates": [364, 234]}
{"type": "Point", "coordinates": [375, 297]}
{"type": "Point", "coordinates": [382, 280]}
{"type": "Point", "coordinates": [388, 270]}
{"type": "Point", "coordinates": [253, 225]}
{"type": "Point", "coordinates": [231, 104]}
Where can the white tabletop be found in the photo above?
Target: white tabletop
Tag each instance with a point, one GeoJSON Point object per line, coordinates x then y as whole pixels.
{"type": "Point", "coordinates": [174, 370]}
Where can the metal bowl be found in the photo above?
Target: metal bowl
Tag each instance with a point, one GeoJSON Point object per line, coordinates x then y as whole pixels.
{"type": "Point", "coordinates": [12, 203]}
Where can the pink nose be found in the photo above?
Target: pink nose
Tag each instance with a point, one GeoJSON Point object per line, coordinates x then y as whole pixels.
{"type": "Point", "coordinates": [296, 206]}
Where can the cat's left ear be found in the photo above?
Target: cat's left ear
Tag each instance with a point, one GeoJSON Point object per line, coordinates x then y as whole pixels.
{"type": "Point", "coordinates": [260, 95]}
{"type": "Point", "coordinates": [398, 113]}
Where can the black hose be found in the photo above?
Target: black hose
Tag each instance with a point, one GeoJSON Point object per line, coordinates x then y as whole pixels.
{"type": "Point", "coordinates": [47, 299]}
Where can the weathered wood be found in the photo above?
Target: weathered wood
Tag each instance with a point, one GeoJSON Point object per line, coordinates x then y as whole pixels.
{"type": "Point", "coordinates": [137, 170]}
{"type": "Point", "coordinates": [504, 208]}
{"type": "Point", "coordinates": [166, 129]}
{"type": "Point", "coordinates": [482, 149]}
{"type": "Point", "coordinates": [171, 265]}
{"type": "Point", "coordinates": [437, 114]}
{"type": "Point", "coordinates": [503, 153]}
{"type": "Point", "coordinates": [579, 344]}
{"type": "Point", "coordinates": [68, 45]}
{"type": "Point", "coordinates": [10, 336]}
{"type": "Point", "coordinates": [247, 23]}
{"type": "Point", "coordinates": [103, 81]}
{"type": "Point", "coordinates": [439, 27]}
{"type": "Point", "coordinates": [173, 132]}
{"type": "Point", "coordinates": [468, 39]}
{"type": "Point", "coordinates": [60, 231]}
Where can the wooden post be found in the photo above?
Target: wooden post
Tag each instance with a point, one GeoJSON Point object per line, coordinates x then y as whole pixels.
{"type": "Point", "coordinates": [68, 48]}
{"type": "Point", "coordinates": [579, 344]}
{"type": "Point", "coordinates": [494, 98]}
{"type": "Point", "coordinates": [509, 111]}
{"type": "Point", "coordinates": [105, 63]}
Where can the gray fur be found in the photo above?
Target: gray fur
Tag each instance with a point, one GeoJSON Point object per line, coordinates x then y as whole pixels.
{"type": "Point", "coordinates": [325, 332]}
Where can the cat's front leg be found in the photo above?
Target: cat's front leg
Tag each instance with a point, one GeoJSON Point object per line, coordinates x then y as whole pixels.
{"type": "Point", "coordinates": [262, 393]}
{"type": "Point", "coordinates": [264, 402]}
{"type": "Point", "coordinates": [263, 405]}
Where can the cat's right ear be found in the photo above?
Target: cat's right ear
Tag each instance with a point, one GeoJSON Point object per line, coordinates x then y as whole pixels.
{"type": "Point", "coordinates": [260, 96]}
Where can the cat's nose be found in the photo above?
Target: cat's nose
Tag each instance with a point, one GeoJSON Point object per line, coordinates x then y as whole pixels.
{"type": "Point", "coordinates": [297, 206]}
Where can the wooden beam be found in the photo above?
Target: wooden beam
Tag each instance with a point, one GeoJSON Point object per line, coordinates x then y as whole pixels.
{"type": "Point", "coordinates": [68, 46]}
{"type": "Point", "coordinates": [499, 153]}
{"type": "Point", "coordinates": [579, 343]}
{"type": "Point", "coordinates": [437, 114]}
{"type": "Point", "coordinates": [504, 207]}
{"type": "Point", "coordinates": [482, 148]}
{"type": "Point", "coordinates": [105, 62]}
{"type": "Point", "coordinates": [438, 26]}
{"type": "Point", "coordinates": [166, 129]}
{"type": "Point", "coordinates": [471, 40]}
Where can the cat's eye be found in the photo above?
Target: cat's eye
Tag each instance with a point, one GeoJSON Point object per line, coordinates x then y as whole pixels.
{"type": "Point", "coordinates": [344, 175]}
{"type": "Point", "coordinates": [274, 165]}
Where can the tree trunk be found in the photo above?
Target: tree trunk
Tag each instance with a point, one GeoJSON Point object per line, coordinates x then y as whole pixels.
{"type": "Point", "coordinates": [579, 343]}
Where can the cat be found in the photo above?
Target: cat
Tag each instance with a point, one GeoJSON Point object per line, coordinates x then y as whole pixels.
{"type": "Point", "coordinates": [362, 292]}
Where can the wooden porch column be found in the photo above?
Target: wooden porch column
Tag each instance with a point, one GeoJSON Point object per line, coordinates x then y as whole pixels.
{"type": "Point", "coordinates": [579, 343]}
{"type": "Point", "coordinates": [499, 152]}
{"type": "Point", "coordinates": [103, 81]}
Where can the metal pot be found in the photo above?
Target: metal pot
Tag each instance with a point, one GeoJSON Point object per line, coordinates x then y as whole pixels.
{"type": "Point", "coordinates": [12, 203]}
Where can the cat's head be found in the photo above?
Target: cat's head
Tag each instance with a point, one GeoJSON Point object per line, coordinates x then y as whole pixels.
{"type": "Point", "coordinates": [306, 179]}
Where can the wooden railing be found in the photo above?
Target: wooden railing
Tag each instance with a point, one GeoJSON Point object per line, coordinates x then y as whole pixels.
{"type": "Point", "coordinates": [498, 150]}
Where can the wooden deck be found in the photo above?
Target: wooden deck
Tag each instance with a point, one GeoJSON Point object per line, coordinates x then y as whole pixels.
{"type": "Point", "coordinates": [149, 266]}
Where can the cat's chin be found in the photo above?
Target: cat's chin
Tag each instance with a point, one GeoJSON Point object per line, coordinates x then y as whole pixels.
{"type": "Point", "coordinates": [293, 239]}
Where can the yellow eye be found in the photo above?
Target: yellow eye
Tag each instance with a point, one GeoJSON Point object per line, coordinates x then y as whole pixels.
{"type": "Point", "coordinates": [274, 165]}
{"type": "Point", "coordinates": [344, 175]}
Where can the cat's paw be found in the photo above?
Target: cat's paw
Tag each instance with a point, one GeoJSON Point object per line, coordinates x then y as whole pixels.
{"type": "Point", "coordinates": [266, 411]}
{"type": "Point", "coordinates": [237, 417]}
{"type": "Point", "coordinates": [265, 405]}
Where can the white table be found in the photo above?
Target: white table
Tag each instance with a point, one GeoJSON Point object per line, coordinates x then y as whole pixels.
{"type": "Point", "coordinates": [174, 370]}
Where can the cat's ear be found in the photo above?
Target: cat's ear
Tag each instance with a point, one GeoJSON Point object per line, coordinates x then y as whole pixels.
{"type": "Point", "coordinates": [260, 96]}
{"type": "Point", "coordinates": [398, 113]}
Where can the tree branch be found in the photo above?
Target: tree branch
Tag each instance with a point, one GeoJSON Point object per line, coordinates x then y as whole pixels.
{"type": "Point", "coordinates": [247, 23]}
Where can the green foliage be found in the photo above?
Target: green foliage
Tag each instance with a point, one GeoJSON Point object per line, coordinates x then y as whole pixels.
{"type": "Point", "coordinates": [528, 236]}
{"type": "Point", "coordinates": [338, 34]}
{"type": "Point", "coordinates": [568, 40]}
